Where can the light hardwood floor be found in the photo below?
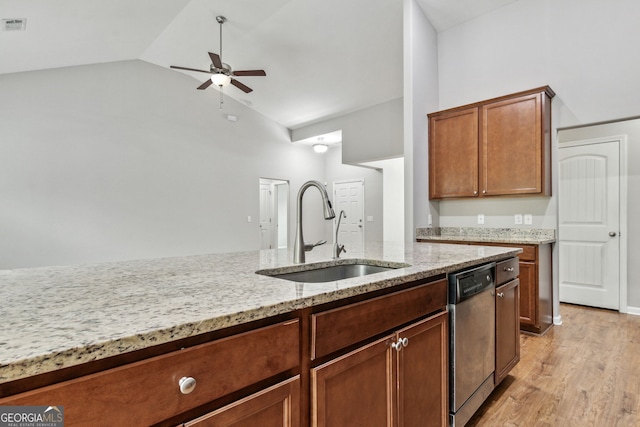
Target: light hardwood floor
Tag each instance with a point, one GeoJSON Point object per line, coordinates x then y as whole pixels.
{"type": "Point", "coordinates": [585, 372]}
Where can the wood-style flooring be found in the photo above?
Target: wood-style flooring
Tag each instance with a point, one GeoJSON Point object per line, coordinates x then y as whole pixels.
{"type": "Point", "coordinates": [585, 372]}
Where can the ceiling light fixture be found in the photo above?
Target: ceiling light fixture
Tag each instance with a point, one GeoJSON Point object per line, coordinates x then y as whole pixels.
{"type": "Point", "coordinates": [320, 148]}
{"type": "Point", "coordinates": [220, 79]}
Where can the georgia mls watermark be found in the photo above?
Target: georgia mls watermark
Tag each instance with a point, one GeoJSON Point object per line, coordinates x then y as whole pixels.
{"type": "Point", "coordinates": [31, 416]}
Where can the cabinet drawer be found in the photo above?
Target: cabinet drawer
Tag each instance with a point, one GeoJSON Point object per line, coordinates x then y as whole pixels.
{"type": "Point", "coordinates": [147, 392]}
{"type": "Point", "coordinates": [341, 327]}
{"type": "Point", "coordinates": [507, 270]}
{"type": "Point", "coordinates": [528, 253]}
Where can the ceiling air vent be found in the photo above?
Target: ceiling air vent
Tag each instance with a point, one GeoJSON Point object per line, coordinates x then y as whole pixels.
{"type": "Point", "coordinates": [15, 24]}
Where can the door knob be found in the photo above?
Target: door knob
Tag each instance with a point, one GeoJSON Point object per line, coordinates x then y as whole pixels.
{"type": "Point", "coordinates": [612, 233]}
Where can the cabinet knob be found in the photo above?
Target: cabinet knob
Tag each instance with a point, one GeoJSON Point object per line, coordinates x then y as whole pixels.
{"type": "Point", "coordinates": [187, 384]}
{"type": "Point", "coordinates": [501, 294]}
{"type": "Point", "coordinates": [484, 191]}
{"type": "Point", "coordinates": [509, 269]}
{"type": "Point", "coordinates": [400, 344]}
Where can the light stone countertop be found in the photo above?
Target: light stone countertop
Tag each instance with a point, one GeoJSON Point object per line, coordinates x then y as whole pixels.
{"type": "Point", "coordinates": [517, 236]}
{"type": "Point", "coordinates": [55, 317]}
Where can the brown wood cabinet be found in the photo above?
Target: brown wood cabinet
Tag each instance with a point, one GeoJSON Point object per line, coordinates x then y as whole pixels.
{"type": "Point", "coordinates": [373, 359]}
{"type": "Point", "coordinates": [507, 318]}
{"type": "Point", "coordinates": [536, 286]}
{"type": "Point", "coordinates": [148, 392]}
{"type": "Point", "coordinates": [400, 379]}
{"type": "Point", "coordinates": [276, 406]}
{"type": "Point", "coordinates": [496, 147]}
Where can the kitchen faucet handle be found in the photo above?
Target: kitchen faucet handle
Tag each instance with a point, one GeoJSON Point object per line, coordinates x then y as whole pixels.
{"type": "Point", "coordinates": [309, 246]}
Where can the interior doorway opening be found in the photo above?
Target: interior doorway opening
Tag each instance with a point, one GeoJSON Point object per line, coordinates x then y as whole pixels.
{"type": "Point", "coordinates": [274, 213]}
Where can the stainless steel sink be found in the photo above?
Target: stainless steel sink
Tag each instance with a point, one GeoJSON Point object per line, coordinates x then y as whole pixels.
{"type": "Point", "coordinates": [333, 272]}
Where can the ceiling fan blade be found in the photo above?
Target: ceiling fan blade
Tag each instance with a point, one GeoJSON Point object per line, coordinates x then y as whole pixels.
{"type": "Point", "coordinates": [189, 69]}
{"type": "Point", "coordinates": [215, 60]}
{"type": "Point", "coordinates": [242, 87]}
{"type": "Point", "coordinates": [205, 85]}
{"type": "Point", "coordinates": [249, 73]}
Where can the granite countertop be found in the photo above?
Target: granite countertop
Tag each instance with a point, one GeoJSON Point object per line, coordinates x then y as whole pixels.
{"type": "Point", "coordinates": [522, 236]}
{"type": "Point", "coordinates": [55, 317]}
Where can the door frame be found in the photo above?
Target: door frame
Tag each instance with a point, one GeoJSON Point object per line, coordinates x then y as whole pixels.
{"type": "Point", "coordinates": [622, 232]}
{"type": "Point", "coordinates": [278, 221]}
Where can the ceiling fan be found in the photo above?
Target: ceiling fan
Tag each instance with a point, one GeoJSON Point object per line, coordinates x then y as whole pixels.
{"type": "Point", "coordinates": [221, 73]}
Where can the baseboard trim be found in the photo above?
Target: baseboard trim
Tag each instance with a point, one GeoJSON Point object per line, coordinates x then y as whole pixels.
{"type": "Point", "coordinates": [633, 310]}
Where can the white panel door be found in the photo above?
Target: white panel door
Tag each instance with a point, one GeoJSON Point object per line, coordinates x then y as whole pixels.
{"type": "Point", "coordinates": [589, 218]}
{"type": "Point", "coordinates": [265, 216]}
{"type": "Point", "coordinates": [349, 197]}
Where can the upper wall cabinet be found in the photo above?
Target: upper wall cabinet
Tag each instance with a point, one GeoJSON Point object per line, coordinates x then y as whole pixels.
{"type": "Point", "coordinates": [497, 147]}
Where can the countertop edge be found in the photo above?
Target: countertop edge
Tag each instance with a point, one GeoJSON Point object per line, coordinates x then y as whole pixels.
{"type": "Point", "coordinates": [78, 355]}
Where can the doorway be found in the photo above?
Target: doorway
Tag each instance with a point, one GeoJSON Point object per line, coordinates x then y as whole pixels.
{"type": "Point", "coordinates": [274, 213]}
{"type": "Point", "coordinates": [591, 208]}
{"type": "Point", "coordinates": [348, 196]}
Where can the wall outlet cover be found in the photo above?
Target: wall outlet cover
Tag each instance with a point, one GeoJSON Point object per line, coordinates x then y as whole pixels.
{"type": "Point", "coordinates": [517, 218]}
{"type": "Point", "coordinates": [480, 218]}
{"type": "Point", "coordinates": [528, 219]}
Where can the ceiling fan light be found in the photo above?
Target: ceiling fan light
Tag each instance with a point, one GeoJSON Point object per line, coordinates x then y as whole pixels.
{"type": "Point", "coordinates": [320, 148]}
{"type": "Point", "coordinates": [220, 79]}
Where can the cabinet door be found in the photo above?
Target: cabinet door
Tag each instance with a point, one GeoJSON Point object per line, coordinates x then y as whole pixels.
{"type": "Point", "coordinates": [512, 146]}
{"type": "Point", "coordinates": [423, 374]}
{"type": "Point", "coordinates": [528, 293]}
{"type": "Point", "coordinates": [507, 329]}
{"type": "Point", "coordinates": [277, 406]}
{"type": "Point", "coordinates": [453, 154]}
{"type": "Point", "coordinates": [357, 389]}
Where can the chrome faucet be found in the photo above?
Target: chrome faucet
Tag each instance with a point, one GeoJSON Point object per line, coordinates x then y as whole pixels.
{"type": "Point", "coordinates": [300, 247]}
{"type": "Point", "coordinates": [337, 248]}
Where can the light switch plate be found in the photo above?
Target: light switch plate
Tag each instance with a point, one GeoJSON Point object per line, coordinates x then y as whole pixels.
{"type": "Point", "coordinates": [480, 218]}
{"type": "Point", "coordinates": [528, 219]}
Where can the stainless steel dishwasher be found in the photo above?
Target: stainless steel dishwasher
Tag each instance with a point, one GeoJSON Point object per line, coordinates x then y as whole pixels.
{"type": "Point", "coordinates": [472, 340]}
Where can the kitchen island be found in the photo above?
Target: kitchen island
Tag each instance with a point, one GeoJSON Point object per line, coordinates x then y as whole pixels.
{"type": "Point", "coordinates": [60, 319]}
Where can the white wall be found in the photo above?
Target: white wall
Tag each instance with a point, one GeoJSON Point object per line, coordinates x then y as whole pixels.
{"type": "Point", "coordinates": [370, 134]}
{"type": "Point", "coordinates": [584, 49]}
{"type": "Point", "coordinates": [580, 48]}
{"type": "Point", "coordinates": [128, 160]}
{"type": "Point", "coordinates": [420, 98]}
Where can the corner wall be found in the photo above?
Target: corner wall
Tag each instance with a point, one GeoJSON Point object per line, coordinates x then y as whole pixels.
{"type": "Point", "coordinates": [126, 160]}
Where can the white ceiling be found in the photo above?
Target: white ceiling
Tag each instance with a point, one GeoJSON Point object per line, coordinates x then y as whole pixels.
{"type": "Point", "coordinates": [322, 58]}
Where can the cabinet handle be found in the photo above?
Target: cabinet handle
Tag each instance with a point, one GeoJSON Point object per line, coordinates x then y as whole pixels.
{"type": "Point", "coordinates": [400, 344]}
{"type": "Point", "coordinates": [500, 294]}
{"type": "Point", "coordinates": [187, 384]}
{"type": "Point", "coordinates": [509, 269]}
{"type": "Point", "coordinates": [484, 191]}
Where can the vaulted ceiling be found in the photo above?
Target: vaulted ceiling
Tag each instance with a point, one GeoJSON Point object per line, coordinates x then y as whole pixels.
{"type": "Point", "coordinates": [322, 58]}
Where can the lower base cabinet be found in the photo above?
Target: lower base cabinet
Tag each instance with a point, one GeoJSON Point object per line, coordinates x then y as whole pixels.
{"type": "Point", "coordinates": [400, 379]}
{"type": "Point", "coordinates": [276, 406]}
{"type": "Point", "coordinates": [507, 329]}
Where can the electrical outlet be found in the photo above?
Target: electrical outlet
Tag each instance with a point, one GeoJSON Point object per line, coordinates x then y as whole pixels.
{"type": "Point", "coordinates": [528, 219]}
{"type": "Point", "coordinates": [517, 219]}
{"type": "Point", "coordinates": [480, 218]}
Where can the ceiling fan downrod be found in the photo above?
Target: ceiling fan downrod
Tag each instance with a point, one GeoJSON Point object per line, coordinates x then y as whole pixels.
{"type": "Point", "coordinates": [221, 20]}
